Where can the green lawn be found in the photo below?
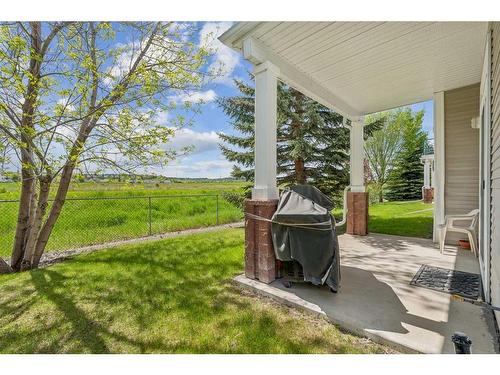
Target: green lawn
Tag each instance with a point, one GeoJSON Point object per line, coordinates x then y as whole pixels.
{"type": "Point", "coordinates": [412, 218]}
{"type": "Point", "coordinates": [409, 218]}
{"type": "Point", "coordinates": [87, 221]}
{"type": "Point", "coordinates": [169, 296]}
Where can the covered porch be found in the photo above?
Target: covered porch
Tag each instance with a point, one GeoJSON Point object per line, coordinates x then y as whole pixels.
{"type": "Point", "coordinates": [356, 69]}
{"type": "Point", "coordinates": [359, 68]}
{"type": "Point", "coordinates": [377, 301]}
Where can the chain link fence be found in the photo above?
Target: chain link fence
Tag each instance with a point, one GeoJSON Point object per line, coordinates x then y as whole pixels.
{"type": "Point", "coordinates": [91, 221]}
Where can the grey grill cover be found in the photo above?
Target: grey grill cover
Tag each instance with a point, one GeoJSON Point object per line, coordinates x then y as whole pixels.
{"type": "Point", "coordinates": [316, 250]}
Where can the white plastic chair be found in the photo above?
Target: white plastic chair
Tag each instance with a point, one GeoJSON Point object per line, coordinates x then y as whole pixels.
{"type": "Point", "coordinates": [471, 230]}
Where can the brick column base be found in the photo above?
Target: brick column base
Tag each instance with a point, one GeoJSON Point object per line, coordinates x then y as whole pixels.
{"type": "Point", "coordinates": [428, 194]}
{"type": "Point", "coordinates": [357, 213]}
{"type": "Point", "coordinates": [260, 261]}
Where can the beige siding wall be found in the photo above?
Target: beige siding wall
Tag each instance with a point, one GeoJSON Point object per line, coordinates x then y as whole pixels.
{"type": "Point", "coordinates": [495, 167]}
{"type": "Point", "coordinates": [461, 189]}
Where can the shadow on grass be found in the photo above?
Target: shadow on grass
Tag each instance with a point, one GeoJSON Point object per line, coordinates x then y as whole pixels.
{"type": "Point", "coordinates": [84, 329]}
{"type": "Point", "coordinates": [170, 296]}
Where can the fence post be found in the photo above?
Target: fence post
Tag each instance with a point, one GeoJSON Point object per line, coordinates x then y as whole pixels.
{"type": "Point", "coordinates": [149, 216]}
{"type": "Point", "coordinates": [217, 210]}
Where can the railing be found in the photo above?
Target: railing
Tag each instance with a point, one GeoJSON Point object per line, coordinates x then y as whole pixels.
{"type": "Point", "coordinates": [97, 220]}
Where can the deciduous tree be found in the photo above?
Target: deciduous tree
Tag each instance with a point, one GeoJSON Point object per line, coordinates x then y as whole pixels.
{"type": "Point", "coordinates": [80, 95]}
{"type": "Point", "coordinates": [382, 149]}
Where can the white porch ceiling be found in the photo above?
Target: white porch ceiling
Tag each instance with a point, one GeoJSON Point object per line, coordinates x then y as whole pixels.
{"type": "Point", "coordinates": [365, 67]}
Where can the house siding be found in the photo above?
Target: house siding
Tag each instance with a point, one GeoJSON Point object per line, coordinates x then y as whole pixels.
{"type": "Point", "coordinates": [461, 190]}
{"type": "Point", "coordinates": [495, 167]}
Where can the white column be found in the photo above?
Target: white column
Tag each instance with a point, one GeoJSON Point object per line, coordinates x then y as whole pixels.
{"type": "Point", "coordinates": [439, 162]}
{"type": "Point", "coordinates": [427, 173]}
{"type": "Point", "coordinates": [266, 81]}
{"type": "Point", "coordinates": [357, 155]}
{"type": "Point", "coordinates": [432, 173]}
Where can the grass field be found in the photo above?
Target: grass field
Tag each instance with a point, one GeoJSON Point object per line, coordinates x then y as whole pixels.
{"type": "Point", "coordinates": [10, 190]}
{"type": "Point", "coordinates": [408, 218]}
{"type": "Point", "coordinates": [87, 221]}
{"type": "Point", "coordinates": [411, 218]}
{"type": "Point", "coordinates": [89, 217]}
{"type": "Point", "coordinates": [168, 296]}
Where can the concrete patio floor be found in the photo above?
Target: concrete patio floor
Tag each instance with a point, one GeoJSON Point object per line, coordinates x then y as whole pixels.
{"type": "Point", "coordinates": [376, 299]}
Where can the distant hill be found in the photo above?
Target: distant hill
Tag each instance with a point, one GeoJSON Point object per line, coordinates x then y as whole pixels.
{"type": "Point", "coordinates": [148, 178]}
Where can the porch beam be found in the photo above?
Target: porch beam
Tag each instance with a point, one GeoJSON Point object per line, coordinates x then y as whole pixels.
{"type": "Point", "coordinates": [257, 53]}
{"type": "Point", "coordinates": [266, 82]}
{"type": "Point", "coordinates": [357, 155]}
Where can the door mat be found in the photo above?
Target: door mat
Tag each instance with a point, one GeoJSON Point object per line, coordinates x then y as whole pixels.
{"type": "Point", "coordinates": [464, 284]}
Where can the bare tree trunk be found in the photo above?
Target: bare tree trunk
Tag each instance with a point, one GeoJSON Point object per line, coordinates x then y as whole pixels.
{"type": "Point", "coordinates": [300, 171]}
{"type": "Point", "coordinates": [28, 175]}
{"type": "Point", "coordinates": [23, 217]}
{"type": "Point", "coordinates": [62, 191]}
{"type": "Point", "coordinates": [31, 219]}
{"type": "Point", "coordinates": [381, 192]}
{"type": "Point", "coordinates": [54, 213]}
{"type": "Point", "coordinates": [34, 229]}
{"type": "Point", "coordinates": [299, 166]}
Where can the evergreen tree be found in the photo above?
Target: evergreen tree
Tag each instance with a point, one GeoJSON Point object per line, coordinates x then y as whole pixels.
{"type": "Point", "coordinates": [313, 144]}
{"type": "Point", "coordinates": [407, 177]}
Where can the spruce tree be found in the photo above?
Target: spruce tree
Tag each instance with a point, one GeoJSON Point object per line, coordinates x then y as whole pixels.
{"type": "Point", "coordinates": [407, 177]}
{"type": "Point", "coordinates": [313, 144]}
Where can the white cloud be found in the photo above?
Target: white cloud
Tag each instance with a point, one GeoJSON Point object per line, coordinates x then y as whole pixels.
{"type": "Point", "coordinates": [64, 102]}
{"type": "Point", "coordinates": [205, 168]}
{"type": "Point", "coordinates": [225, 59]}
{"type": "Point", "coordinates": [205, 161]}
{"type": "Point", "coordinates": [195, 97]}
{"type": "Point", "coordinates": [162, 117]}
{"type": "Point", "coordinates": [68, 132]}
{"type": "Point", "coordinates": [122, 64]}
{"type": "Point", "coordinates": [201, 141]}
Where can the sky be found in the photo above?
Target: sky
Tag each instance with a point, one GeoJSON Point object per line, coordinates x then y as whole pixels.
{"type": "Point", "coordinates": [206, 160]}
{"type": "Point", "coordinates": [428, 116]}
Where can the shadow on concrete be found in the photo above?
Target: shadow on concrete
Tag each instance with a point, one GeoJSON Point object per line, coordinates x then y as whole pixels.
{"type": "Point", "coordinates": [394, 243]}
{"type": "Point", "coordinates": [377, 300]}
{"type": "Point", "coordinates": [363, 303]}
